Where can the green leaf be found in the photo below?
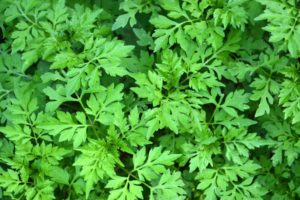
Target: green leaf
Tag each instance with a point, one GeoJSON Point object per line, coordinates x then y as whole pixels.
{"type": "Point", "coordinates": [42, 190]}
{"type": "Point", "coordinates": [121, 21]}
{"type": "Point", "coordinates": [285, 32]}
{"type": "Point", "coordinates": [238, 144]}
{"type": "Point", "coordinates": [10, 180]}
{"type": "Point", "coordinates": [150, 86]}
{"type": "Point", "coordinates": [105, 104]}
{"type": "Point", "coordinates": [156, 162]}
{"type": "Point", "coordinates": [96, 160]}
{"type": "Point", "coordinates": [131, 189]}
{"type": "Point", "coordinates": [134, 117]}
{"type": "Point", "coordinates": [58, 97]}
{"type": "Point", "coordinates": [217, 183]}
{"type": "Point", "coordinates": [262, 93]}
{"type": "Point", "coordinates": [17, 133]}
{"type": "Point", "coordinates": [145, 38]}
{"type": "Point", "coordinates": [161, 21]}
{"type": "Point", "coordinates": [170, 186]}
{"type": "Point", "coordinates": [67, 128]}
{"type": "Point", "coordinates": [238, 100]}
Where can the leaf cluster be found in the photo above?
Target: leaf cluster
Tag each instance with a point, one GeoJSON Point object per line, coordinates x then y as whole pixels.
{"type": "Point", "coordinates": [149, 99]}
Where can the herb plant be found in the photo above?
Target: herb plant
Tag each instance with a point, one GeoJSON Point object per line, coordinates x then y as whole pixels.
{"type": "Point", "coordinates": [150, 99]}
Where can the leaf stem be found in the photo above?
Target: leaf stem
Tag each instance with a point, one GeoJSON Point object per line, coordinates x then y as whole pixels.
{"type": "Point", "coordinates": [135, 177]}
{"type": "Point", "coordinates": [215, 110]}
{"type": "Point", "coordinates": [91, 122]}
{"type": "Point", "coordinates": [26, 17]}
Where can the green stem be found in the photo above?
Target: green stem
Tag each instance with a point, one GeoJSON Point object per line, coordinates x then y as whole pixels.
{"type": "Point", "coordinates": [92, 123]}
{"type": "Point", "coordinates": [6, 93]}
{"type": "Point", "coordinates": [136, 178]}
{"type": "Point", "coordinates": [215, 110]}
{"type": "Point", "coordinates": [26, 17]}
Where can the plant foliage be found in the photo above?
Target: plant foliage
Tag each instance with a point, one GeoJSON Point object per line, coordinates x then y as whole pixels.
{"type": "Point", "coordinates": [144, 99]}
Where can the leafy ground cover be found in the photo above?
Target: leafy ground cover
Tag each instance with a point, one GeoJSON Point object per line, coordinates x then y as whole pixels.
{"type": "Point", "coordinates": [150, 99]}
